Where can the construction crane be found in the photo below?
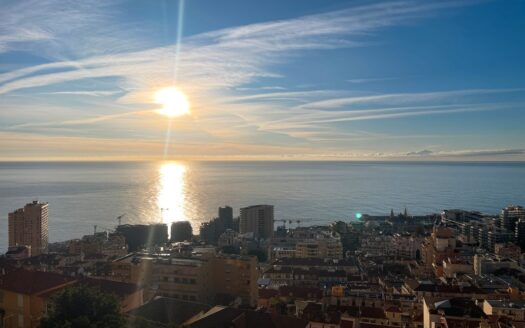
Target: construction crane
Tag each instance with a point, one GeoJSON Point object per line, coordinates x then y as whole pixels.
{"type": "Point", "coordinates": [119, 219]}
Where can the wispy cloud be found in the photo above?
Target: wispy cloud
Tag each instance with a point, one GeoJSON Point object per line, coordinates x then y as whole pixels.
{"type": "Point", "coordinates": [92, 93]}
{"type": "Point", "coordinates": [402, 98]}
{"type": "Point", "coordinates": [465, 153]}
{"type": "Point", "coordinates": [220, 59]}
{"type": "Point", "coordinates": [368, 80]}
{"type": "Point", "coordinates": [218, 71]}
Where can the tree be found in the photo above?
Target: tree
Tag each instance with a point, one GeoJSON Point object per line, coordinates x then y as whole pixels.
{"type": "Point", "coordinates": [83, 307]}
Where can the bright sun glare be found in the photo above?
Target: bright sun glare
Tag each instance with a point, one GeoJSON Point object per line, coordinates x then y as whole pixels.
{"type": "Point", "coordinates": [174, 102]}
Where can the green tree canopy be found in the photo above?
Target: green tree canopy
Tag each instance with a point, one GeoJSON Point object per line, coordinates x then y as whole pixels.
{"type": "Point", "coordinates": [83, 307]}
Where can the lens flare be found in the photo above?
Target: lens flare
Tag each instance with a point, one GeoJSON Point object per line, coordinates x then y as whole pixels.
{"type": "Point", "coordinates": [174, 102]}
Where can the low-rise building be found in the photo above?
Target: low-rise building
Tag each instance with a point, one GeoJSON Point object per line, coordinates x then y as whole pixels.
{"type": "Point", "coordinates": [323, 245]}
{"type": "Point", "coordinates": [208, 279]}
{"type": "Point", "coordinates": [24, 295]}
{"type": "Point", "coordinates": [508, 250]}
{"type": "Point", "coordinates": [439, 312]}
{"type": "Point", "coordinates": [486, 263]}
{"type": "Point", "coordinates": [514, 310]}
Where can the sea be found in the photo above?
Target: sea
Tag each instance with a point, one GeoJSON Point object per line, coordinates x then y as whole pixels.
{"type": "Point", "coordinates": [82, 195]}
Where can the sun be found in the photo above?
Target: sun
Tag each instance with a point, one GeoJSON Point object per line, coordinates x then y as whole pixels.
{"type": "Point", "coordinates": [174, 102]}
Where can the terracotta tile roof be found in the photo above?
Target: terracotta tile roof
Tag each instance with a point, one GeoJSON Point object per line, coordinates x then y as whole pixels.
{"type": "Point", "coordinates": [118, 288]}
{"type": "Point", "coordinates": [393, 308]}
{"type": "Point", "coordinates": [168, 310]}
{"type": "Point", "coordinates": [33, 282]}
{"type": "Point", "coordinates": [301, 292]}
{"type": "Point", "coordinates": [345, 323]}
{"type": "Point", "coordinates": [314, 262]}
{"type": "Point", "coordinates": [371, 312]}
{"type": "Point", "coordinates": [227, 317]}
{"type": "Point", "coordinates": [267, 293]}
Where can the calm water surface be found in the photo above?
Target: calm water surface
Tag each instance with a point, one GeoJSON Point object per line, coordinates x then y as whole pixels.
{"type": "Point", "coordinates": [84, 194]}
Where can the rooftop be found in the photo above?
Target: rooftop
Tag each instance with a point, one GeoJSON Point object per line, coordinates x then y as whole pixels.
{"type": "Point", "coordinates": [33, 282]}
{"type": "Point", "coordinates": [169, 311]}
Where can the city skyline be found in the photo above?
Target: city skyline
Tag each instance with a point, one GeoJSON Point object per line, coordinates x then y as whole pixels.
{"type": "Point", "coordinates": [330, 80]}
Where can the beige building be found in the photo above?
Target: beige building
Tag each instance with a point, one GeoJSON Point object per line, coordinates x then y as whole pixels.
{"type": "Point", "coordinates": [324, 245]}
{"type": "Point", "coordinates": [257, 219]}
{"type": "Point", "coordinates": [28, 226]}
{"type": "Point", "coordinates": [514, 310]}
{"type": "Point", "coordinates": [508, 250]}
{"type": "Point", "coordinates": [486, 263]}
{"type": "Point", "coordinates": [438, 247]}
{"type": "Point", "coordinates": [208, 279]}
{"type": "Point", "coordinates": [453, 267]}
{"type": "Point", "coordinates": [133, 269]}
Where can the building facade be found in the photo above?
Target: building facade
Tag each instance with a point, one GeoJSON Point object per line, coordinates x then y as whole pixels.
{"type": "Point", "coordinates": [28, 226]}
{"type": "Point", "coordinates": [210, 279]}
{"type": "Point", "coordinates": [257, 219]}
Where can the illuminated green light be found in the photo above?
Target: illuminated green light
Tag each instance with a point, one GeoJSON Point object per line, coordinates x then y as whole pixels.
{"type": "Point", "coordinates": [358, 215]}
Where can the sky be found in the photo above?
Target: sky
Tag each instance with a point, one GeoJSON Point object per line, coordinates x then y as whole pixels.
{"type": "Point", "coordinates": [266, 80]}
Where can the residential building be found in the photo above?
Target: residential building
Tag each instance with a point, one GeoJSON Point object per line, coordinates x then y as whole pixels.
{"type": "Point", "coordinates": [508, 250]}
{"type": "Point", "coordinates": [207, 279]}
{"type": "Point", "coordinates": [226, 214]}
{"type": "Point", "coordinates": [24, 295]}
{"type": "Point", "coordinates": [453, 312]}
{"type": "Point", "coordinates": [453, 267]}
{"type": "Point", "coordinates": [459, 215]}
{"type": "Point", "coordinates": [439, 246]}
{"type": "Point", "coordinates": [485, 263]}
{"type": "Point", "coordinates": [514, 310]}
{"type": "Point", "coordinates": [497, 236]}
{"type": "Point", "coordinates": [28, 226]}
{"type": "Point", "coordinates": [257, 219]}
{"type": "Point", "coordinates": [18, 252]}
{"type": "Point", "coordinates": [510, 215]}
{"type": "Point", "coordinates": [211, 231]}
{"type": "Point", "coordinates": [520, 233]}
{"type": "Point", "coordinates": [134, 269]}
{"type": "Point", "coordinates": [323, 245]}
{"type": "Point", "coordinates": [228, 238]}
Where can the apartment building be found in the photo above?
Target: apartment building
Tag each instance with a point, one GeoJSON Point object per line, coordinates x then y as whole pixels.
{"type": "Point", "coordinates": [28, 226]}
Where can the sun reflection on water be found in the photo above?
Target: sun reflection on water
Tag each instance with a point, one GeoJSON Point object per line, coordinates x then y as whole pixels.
{"type": "Point", "coordinates": [172, 194]}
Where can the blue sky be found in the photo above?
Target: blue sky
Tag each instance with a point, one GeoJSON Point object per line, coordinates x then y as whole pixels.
{"type": "Point", "coordinates": [311, 79]}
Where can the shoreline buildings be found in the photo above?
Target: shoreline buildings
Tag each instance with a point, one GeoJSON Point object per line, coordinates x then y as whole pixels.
{"type": "Point", "coordinates": [455, 270]}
